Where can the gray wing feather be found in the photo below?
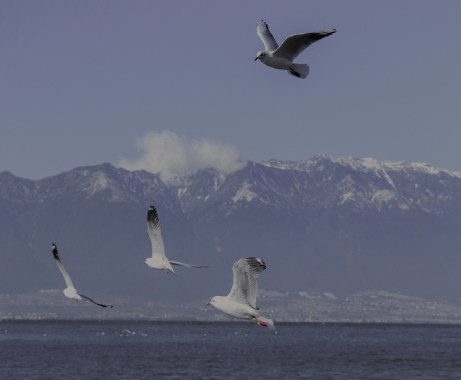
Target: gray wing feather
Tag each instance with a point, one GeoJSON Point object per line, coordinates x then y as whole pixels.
{"type": "Point", "coordinates": [187, 265]}
{"type": "Point", "coordinates": [61, 267]}
{"type": "Point", "coordinates": [245, 286]}
{"type": "Point", "coordinates": [295, 44]}
{"type": "Point", "coordinates": [89, 299]}
{"type": "Point", "coordinates": [266, 36]}
{"type": "Point", "coordinates": [155, 232]}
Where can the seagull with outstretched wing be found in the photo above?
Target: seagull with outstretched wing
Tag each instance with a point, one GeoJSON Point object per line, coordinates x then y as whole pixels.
{"type": "Point", "coordinates": [281, 57]}
{"type": "Point", "coordinates": [158, 259]}
{"type": "Point", "coordinates": [241, 301]}
{"type": "Point", "coordinates": [70, 291]}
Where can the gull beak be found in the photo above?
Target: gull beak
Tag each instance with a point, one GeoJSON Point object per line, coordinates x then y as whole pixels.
{"type": "Point", "coordinates": [209, 303]}
{"type": "Point", "coordinates": [256, 58]}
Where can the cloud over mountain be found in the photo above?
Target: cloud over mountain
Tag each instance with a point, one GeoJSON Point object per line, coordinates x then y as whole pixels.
{"type": "Point", "coordinates": [167, 153]}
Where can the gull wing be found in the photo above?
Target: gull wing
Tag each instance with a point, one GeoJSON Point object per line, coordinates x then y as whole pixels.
{"type": "Point", "coordinates": [295, 44]}
{"type": "Point", "coordinates": [155, 232]}
{"type": "Point", "coordinates": [245, 287]}
{"type": "Point", "coordinates": [61, 267]}
{"type": "Point", "coordinates": [266, 36]}
{"type": "Point", "coordinates": [89, 299]}
{"type": "Point", "coordinates": [188, 265]}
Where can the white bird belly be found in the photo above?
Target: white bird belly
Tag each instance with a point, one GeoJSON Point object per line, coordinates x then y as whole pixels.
{"type": "Point", "coordinates": [71, 293]}
{"type": "Point", "coordinates": [159, 262]}
{"type": "Point", "coordinates": [238, 310]}
{"type": "Point", "coordinates": [277, 63]}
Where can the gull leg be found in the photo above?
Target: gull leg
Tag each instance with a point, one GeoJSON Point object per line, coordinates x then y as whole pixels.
{"type": "Point", "coordinates": [261, 323]}
{"type": "Point", "coordinates": [76, 300]}
{"type": "Point", "coordinates": [166, 271]}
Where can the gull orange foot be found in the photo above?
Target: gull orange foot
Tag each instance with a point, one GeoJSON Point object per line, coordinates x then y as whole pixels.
{"type": "Point", "coordinates": [261, 323]}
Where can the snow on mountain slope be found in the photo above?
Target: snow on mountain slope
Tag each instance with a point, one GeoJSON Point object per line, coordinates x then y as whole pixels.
{"type": "Point", "coordinates": [368, 165]}
{"type": "Point", "coordinates": [371, 183]}
{"type": "Point", "coordinates": [322, 180]}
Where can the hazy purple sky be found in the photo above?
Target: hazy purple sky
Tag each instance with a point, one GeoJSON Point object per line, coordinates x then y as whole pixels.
{"type": "Point", "coordinates": [83, 81]}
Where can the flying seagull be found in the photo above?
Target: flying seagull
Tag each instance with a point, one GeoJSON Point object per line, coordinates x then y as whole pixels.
{"type": "Point", "coordinates": [241, 301]}
{"type": "Point", "coordinates": [70, 291]}
{"type": "Point", "coordinates": [158, 259]}
{"type": "Point", "coordinates": [281, 57]}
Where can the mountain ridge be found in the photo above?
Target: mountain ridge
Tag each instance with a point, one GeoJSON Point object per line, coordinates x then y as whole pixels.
{"type": "Point", "coordinates": [339, 225]}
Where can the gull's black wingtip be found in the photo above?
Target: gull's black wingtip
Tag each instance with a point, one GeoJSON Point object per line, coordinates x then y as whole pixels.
{"type": "Point", "coordinates": [96, 303]}
{"type": "Point", "coordinates": [256, 262]}
{"type": "Point", "coordinates": [152, 214]}
{"type": "Point", "coordinates": [54, 249]}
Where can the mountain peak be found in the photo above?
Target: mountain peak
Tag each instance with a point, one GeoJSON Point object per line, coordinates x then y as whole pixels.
{"type": "Point", "coordinates": [358, 164]}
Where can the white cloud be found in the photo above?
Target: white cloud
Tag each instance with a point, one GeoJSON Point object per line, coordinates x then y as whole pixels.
{"type": "Point", "coordinates": [166, 153]}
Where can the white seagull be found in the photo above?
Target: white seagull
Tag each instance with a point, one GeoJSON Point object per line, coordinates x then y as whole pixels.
{"type": "Point", "coordinates": [281, 57]}
{"type": "Point", "coordinates": [70, 291]}
{"type": "Point", "coordinates": [241, 301]}
{"type": "Point", "coordinates": [158, 259]}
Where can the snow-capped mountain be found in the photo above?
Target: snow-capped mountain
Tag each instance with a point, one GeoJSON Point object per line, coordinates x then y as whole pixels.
{"type": "Point", "coordinates": [369, 183]}
{"type": "Point", "coordinates": [325, 224]}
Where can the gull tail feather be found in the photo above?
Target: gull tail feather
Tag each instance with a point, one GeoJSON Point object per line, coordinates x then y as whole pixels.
{"type": "Point", "coordinates": [299, 70]}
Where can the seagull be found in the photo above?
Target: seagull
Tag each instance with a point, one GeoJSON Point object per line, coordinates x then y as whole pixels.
{"type": "Point", "coordinates": [281, 57]}
{"type": "Point", "coordinates": [158, 259]}
{"type": "Point", "coordinates": [70, 291]}
{"type": "Point", "coordinates": [241, 301]}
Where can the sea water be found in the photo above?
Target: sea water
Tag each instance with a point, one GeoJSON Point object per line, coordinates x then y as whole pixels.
{"type": "Point", "coordinates": [218, 350]}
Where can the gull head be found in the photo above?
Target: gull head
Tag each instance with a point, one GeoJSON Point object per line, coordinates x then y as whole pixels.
{"type": "Point", "coordinates": [212, 301]}
{"type": "Point", "coordinates": [218, 302]}
{"type": "Point", "coordinates": [150, 263]}
{"type": "Point", "coordinates": [262, 54]}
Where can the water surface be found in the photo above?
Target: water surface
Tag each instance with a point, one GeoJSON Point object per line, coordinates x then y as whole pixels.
{"type": "Point", "coordinates": [191, 350]}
